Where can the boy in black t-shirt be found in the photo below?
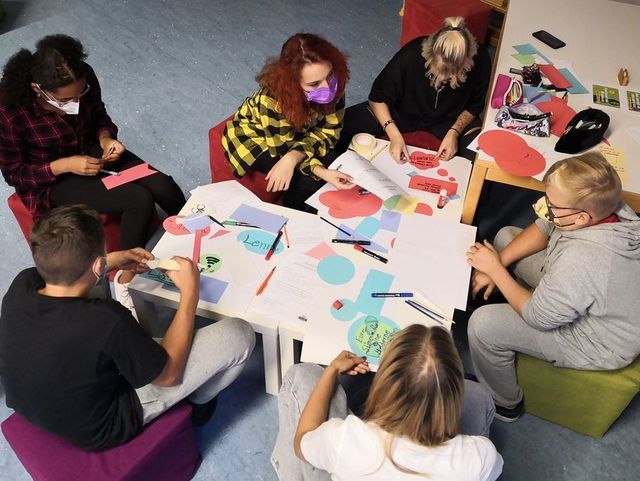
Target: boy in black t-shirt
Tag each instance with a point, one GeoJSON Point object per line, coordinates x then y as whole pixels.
{"type": "Point", "coordinates": [83, 368]}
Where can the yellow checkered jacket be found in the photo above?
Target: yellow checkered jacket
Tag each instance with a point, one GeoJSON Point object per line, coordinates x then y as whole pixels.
{"type": "Point", "coordinates": [259, 126]}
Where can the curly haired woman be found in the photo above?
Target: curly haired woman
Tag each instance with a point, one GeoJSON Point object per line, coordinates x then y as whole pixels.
{"type": "Point", "coordinates": [289, 126]}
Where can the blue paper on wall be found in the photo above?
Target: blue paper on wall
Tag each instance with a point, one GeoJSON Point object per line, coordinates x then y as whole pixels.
{"type": "Point", "coordinates": [258, 217]}
{"type": "Point", "coordinates": [211, 289]}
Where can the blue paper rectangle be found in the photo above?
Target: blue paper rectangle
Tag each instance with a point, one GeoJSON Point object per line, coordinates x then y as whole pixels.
{"type": "Point", "coordinates": [196, 222]}
{"type": "Point", "coordinates": [261, 218]}
{"type": "Point", "coordinates": [390, 220]}
{"type": "Point", "coordinates": [368, 226]}
{"type": "Point", "coordinates": [576, 87]}
{"type": "Point", "coordinates": [529, 49]}
{"type": "Point", "coordinates": [535, 95]}
{"type": "Point", "coordinates": [211, 289]}
{"type": "Point", "coordinates": [376, 281]}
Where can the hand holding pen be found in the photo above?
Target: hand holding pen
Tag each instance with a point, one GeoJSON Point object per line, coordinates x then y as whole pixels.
{"type": "Point", "coordinates": [111, 149]}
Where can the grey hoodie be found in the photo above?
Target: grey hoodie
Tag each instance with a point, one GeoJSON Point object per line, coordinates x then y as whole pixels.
{"type": "Point", "coordinates": [590, 292]}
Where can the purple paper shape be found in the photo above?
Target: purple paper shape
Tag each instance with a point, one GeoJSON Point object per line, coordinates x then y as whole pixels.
{"type": "Point", "coordinates": [196, 221]}
{"type": "Point", "coordinates": [390, 220]}
{"type": "Point", "coordinates": [211, 289]}
{"type": "Point", "coordinates": [258, 217]}
{"type": "Point", "coordinates": [355, 235]}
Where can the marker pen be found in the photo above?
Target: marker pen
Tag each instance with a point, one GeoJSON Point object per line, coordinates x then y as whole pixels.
{"type": "Point", "coordinates": [351, 241]}
{"type": "Point", "coordinates": [370, 254]}
{"type": "Point", "coordinates": [392, 294]}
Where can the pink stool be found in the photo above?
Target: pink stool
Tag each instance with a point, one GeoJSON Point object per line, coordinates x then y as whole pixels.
{"type": "Point", "coordinates": [220, 170]}
{"type": "Point", "coordinates": [166, 450]}
{"type": "Point", "coordinates": [424, 17]}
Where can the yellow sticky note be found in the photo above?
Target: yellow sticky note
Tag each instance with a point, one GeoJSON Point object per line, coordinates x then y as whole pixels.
{"type": "Point", "coordinates": [617, 159]}
{"type": "Point", "coordinates": [405, 204]}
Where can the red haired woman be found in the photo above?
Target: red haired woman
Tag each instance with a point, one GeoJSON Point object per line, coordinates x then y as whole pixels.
{"type": "Point", "coordinates": [289, 126]}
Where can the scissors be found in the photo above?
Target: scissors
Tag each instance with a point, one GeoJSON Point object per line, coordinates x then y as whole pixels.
{"type": "Point", "coordinates": [198, 209]}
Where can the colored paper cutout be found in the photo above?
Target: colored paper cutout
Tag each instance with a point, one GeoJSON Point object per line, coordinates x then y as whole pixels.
{"type": "Point", "coordinates": [345, 204]}
{"type": "Point", "coordinates": [171, 225]}
{"type": "Point", "coordinates": [220, 233]}
{"type": "Point", "coordinates": [259, 241]}
{"type": "Point", "coordinates": [321, 251]}
{"type": "Point", "coordinates": [336, 270]}
{"type": "Point", "coordinates": [211, 289]}
{"type": "Point", "coordinates": [511, 153]}
{"type": "Point", "coordinates": [535, 95]}
{"type": "Point", "coordinates": [194, 222]}
{"type": "Point", "coordinates": [197, 243]}
{"type": "Point", "coordinates": [128, 175]}
{"type": "Point", "coordinates": [524, 58]}
{"type": "Point", "coordinates": [412, 173]}
{"type": "Point", "coordinates": [528, 49]}
{"type": "Point", "coordinates": [576, 87]}
{"type": "Point", "coordinates": [369, 335]}
{"type": "Point", "coordinates": [554, 76]}
{"type": "Point", "coordinates": [213, 263]}
{"type": "Point", "coordinates": [368, 227]}
{"type": "Point", "coordinates": [258, 217]}
{"type": "Point", "coordinates": [402, 203]}
{"type": "Point", "coordinates": [443, 172]}
{"type": "Point", "coordinates": [452, 179]}
{"type": "Point", "coordinates": [376, 281]}
{"type": "Point", "coordinates": [562, 114]}
{"type": "Point", "coordinates": [424, 209]}
{"type": "Point", "coordinates": [433, 185]}
{"type": "Point", "coordinates": [390, 220]}
{"type": "Point", "coordinates": [423, 161]}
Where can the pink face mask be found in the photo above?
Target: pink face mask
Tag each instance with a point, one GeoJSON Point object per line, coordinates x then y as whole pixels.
{"type": "Point", "coordinates": [324, 95]}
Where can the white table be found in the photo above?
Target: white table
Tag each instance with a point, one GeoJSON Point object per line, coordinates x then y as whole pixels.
{"type": "Point", "coordinates": [601, 36]}
{"type": "Point", "coordinates": [147, 293]}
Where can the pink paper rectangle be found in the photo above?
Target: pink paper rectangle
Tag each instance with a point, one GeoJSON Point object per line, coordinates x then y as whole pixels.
{"type": "Point", "coordinates": [128, 175]}
{"type": "Point", "coordinates": [321, 251]}
{"type": "Point", "coordinates": [554, 76]}
{"type": "Point", "coordinates": [429, 184]}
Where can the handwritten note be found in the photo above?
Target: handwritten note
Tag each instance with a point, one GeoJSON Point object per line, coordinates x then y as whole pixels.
{"type": "Point", "coordinates": [617, 159]}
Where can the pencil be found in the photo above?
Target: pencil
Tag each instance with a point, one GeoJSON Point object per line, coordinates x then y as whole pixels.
{"type": "Point", "coordinates": [263, 286]}
{"type": "Point", "coordinates": [419, 308]}
{"type": "Point", "coordinates": [286, 236]}
{"type": "Point", "coordinates": [332, 224]}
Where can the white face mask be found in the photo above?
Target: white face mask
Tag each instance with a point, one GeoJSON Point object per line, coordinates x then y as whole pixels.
{"type": "Point", "coordinates": [72, 107]}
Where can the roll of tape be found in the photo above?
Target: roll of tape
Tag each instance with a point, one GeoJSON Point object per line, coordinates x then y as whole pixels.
{"type": "Point", "coordinates": [363, 143]}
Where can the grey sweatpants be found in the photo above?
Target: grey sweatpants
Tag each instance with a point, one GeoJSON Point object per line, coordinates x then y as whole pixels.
{"type": "Point", "coordinates": [496, 332]}
{"type": "Point", "coordinates": [477, 414]}
{"type": "Point", "coordinates": [218, 355]}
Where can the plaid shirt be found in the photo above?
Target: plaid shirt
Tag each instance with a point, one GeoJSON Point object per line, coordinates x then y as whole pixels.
{"type": "Point", "coordinates": [259, 126]}
{"type": "Point", "coordinates": [32, 137]}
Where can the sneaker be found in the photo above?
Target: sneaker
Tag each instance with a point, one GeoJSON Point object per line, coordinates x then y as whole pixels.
{"type": "Point", "coordinates": [202, 413]}
{"type": "Point", "coordinates": [121, 294]}
{"type": "Point", "coordinates": [509, 415]}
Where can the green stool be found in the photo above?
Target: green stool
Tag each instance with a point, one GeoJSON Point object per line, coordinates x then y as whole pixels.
{"type": "Point", "coordinates": [586, 401]}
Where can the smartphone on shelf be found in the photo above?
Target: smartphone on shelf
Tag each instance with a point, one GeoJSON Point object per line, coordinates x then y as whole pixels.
{"type": "Point", "coordinates": [548, 39]}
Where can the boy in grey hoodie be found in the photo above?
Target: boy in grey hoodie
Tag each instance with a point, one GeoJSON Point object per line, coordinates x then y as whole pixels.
{"type": "Point", "coordinates": [574, 301]}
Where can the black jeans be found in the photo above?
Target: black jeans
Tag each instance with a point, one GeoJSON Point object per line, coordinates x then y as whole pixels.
{"type": "Point", "coordinates": [359, 118]}
{"type": "Point", "coordinates": [301, 187]}
{"type": "Point", "coordinates": [133, 202]}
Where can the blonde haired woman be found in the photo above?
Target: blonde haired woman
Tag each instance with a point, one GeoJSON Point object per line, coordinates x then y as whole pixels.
{"type": "Point", "coordinates": [436, 83]}
{"type": "Point", "coordinates": [411, 423]}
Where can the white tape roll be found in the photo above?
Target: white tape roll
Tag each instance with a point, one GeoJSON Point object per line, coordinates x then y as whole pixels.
{"type": "Point", "coordinates": [363, 143]}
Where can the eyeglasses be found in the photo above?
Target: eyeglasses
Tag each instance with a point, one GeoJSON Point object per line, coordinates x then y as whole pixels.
{"type": "Point", "coordinates": [552, 217]}
{"type": "Point", "coordinates": [63, 102]}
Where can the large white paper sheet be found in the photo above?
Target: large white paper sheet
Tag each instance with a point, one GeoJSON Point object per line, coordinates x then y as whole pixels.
{"type": "Point", "coordinates": [429, 253]}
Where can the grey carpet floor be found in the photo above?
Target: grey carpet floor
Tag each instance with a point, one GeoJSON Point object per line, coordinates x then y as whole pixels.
{"type": "Point", "coordinates": [172, 69]}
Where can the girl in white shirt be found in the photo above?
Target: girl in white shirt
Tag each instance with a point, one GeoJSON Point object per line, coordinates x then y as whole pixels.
{"type": "Point", "coordinates": [411, 425]}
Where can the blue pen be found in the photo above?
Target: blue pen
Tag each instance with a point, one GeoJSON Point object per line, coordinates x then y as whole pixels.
{"type": "Point", "coordinates": [392, 294]}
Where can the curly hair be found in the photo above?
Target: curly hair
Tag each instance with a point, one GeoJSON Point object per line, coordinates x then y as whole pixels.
{"type": "Point", "coordinates": [281, 76]}
{"type": "Point", "coordinates": [57, 62]}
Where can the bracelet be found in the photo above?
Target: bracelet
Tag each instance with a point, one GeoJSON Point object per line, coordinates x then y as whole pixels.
{"type": "Point", "coordinates": [384, 126]}
{"type": "Point", "coordinates": [455, 130]}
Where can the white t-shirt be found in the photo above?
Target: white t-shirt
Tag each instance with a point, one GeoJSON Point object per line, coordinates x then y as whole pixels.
{"type": "Point", "coordinates": [353, 450]}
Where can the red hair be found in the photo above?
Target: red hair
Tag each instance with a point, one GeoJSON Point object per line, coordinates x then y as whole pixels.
{"type": "Point", "coordinates": [281, 76]}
